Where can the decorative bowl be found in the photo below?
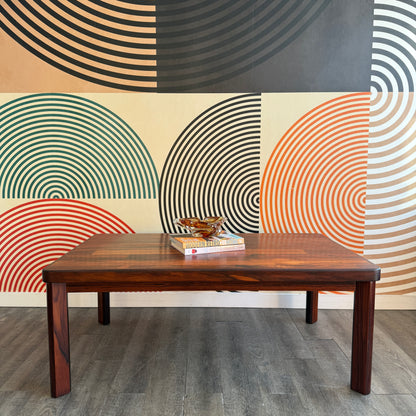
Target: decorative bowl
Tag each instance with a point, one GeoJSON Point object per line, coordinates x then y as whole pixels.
{"type": "Point", "coordinates": [208, 227]}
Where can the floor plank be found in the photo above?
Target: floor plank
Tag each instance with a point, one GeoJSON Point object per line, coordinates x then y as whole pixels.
{"type": "Point", "coordinates": [207, 361]}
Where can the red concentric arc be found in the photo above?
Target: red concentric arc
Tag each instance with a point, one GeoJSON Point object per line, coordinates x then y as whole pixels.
{"type": "Point", "coordinates": [315, 179]}
{"type": "Point", "coordinates": [36, 233]}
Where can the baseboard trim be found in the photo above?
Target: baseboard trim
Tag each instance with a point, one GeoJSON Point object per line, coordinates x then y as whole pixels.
{"type": "Point", "coordinates": [209, 299]}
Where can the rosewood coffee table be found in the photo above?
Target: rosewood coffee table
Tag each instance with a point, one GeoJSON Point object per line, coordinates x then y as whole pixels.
{"type": "Point", "coordinates": [139, 262]}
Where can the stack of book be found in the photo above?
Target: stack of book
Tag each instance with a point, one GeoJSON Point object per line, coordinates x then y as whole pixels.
{"type": "Point", "coordinates": [187, 244]}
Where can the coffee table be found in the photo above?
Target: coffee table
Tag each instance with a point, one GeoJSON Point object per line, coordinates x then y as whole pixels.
{"type": "Point", "coordinates": [139, 262]}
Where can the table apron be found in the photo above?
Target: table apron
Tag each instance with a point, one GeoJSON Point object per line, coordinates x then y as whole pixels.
{"type": "Point", "coordinates": [209, 286]}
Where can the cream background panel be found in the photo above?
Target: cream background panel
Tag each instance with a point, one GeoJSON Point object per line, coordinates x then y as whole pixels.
{"type": "Point", "coordinates": [158, 119]}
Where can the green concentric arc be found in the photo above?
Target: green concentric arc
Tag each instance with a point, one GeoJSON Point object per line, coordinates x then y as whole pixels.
{"type": "Point", "coordinates": [66, 146]}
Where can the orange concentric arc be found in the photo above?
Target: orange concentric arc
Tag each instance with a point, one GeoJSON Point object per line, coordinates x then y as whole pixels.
{"type": "Point", "coordinates": [315, 178]}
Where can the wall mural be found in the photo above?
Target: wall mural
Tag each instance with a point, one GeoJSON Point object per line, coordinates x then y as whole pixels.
{"type": "Point", "coordinates": [194, 45]}
{"type": "Point", "coordinates": [315, 179]}
{"type": "Point", "coordinates": [214, 167]}
{"type": "Point", "coordinates": [36, 233]}
{"type": "Point", "coordinates": [390, 229]}
{"type": "Point", "coordinates": [118, 117]}
{"type": "Point", "coordinates": [64, 146]}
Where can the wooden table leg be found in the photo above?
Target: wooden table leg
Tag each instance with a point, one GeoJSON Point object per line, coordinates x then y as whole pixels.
{"type": "Point", "coordinates": [362, 337]}
{"type": "Point", "coordinates": [311, 306]}
{"type": "Point", "coordinates": [58, 332]}
{"type": "Point", "coordinates": [104, 308]}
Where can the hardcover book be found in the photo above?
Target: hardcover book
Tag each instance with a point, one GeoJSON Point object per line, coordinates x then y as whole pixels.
{"type": "Point", "coordinates": [211, 249]}
{"type": "Point", "coordinates": [188, 241]}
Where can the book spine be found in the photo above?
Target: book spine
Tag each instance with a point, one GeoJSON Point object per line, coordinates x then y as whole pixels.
{"type": "Point", "coordinates": [230, 241]}
{"type": "Point", "coordinates": [215, 242]}
{"type": "Point", "coordinates": [213, 249]}
{"type": "Point", "coordinates": [189, 244]}
{"type": "Point", "coordinates": [181, 246]}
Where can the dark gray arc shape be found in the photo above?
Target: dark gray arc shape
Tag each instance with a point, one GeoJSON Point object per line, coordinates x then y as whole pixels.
{"type": "Point", "coordinates": [220, 48]}
{"type": "Point", "coordinates": [214, 163]}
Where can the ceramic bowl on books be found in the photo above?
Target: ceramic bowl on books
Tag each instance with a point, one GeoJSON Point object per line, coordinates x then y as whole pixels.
{"type": "Point", "coordinates": [208, 227]}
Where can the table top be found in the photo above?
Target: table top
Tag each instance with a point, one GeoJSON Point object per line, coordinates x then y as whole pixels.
{"type": "Point", "coordinates": [269, 261]}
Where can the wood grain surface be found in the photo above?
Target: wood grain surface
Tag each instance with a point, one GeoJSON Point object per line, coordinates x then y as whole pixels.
{"type": "Point", "coordinates": [119, 262]}
{"type": "Point", "coordinates": [270, 262]}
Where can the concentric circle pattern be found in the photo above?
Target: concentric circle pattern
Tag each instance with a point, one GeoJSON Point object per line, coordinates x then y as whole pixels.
{"type": "Point", "coordinates": [109, 43]}
{"type": "Point", "coordinates": [65, 146]}
{"type": "Point", "coordinates": [36, 233]}
{"type": "Point", "coordinates": [214, 167]}
{"type": "Point", "coordinates": [315, 179]}
{"type": "Point", "coordinates": [230, 37]}
{"type": "Point", "coordinates": [390, 231]}
{"type": "Point", "coordinates": [157, 45]}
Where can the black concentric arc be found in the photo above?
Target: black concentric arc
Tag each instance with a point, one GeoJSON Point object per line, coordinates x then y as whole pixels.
{"type": "Point", "coordinates": [164, 46]}
{"type": "Point", "coordinates": [100, 42]}
{"type": "Point", "coordinates": [213, 168]}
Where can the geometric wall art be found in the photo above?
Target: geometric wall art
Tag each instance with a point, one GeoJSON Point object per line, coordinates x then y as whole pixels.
{"type": "Point", "coordinates": [390, 231]}
{"type": "Point", "coordinates": [315, 179]}
{"type": "Point", "coordinates": [64, 146]}
{"type": "Point", "coordinates": [112, 45]}
{"type": "Point", "coordinates": [34, 234]}
{"type": "Point", "coordinates": [264, 46]}
{"type": "Point", "coordinates": [214, 167]}
{"type": "Point", "coordinates": [283, 116]}
{"type": "Point", "coordinates": [192, 46]}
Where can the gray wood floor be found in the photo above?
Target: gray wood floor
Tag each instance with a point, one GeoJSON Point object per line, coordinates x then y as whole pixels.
{"type": "Point", "coordinates": [206, 361]}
